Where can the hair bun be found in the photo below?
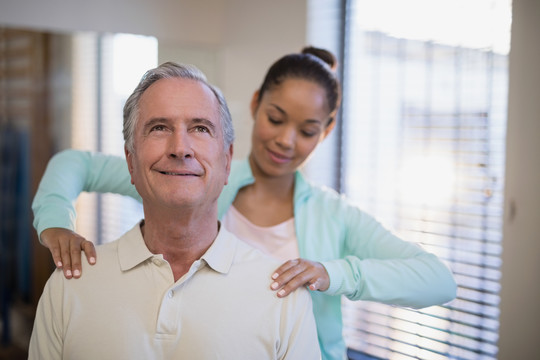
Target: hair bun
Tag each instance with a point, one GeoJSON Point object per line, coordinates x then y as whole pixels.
{"type": "Point", "coordinates": [322, 54]}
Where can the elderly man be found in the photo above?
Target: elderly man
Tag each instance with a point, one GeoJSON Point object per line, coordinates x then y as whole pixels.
{"type": "Point", "coordinates": [176, 286]}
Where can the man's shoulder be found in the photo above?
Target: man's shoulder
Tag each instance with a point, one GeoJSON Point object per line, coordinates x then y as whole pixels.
{"type": "Point", "coordinates": [109, 249]}
{"type": "Point", "coordinates": [248, 254]}
{"type": "Point", "coordinates": [107, 255]}
{"type": "Point", "coordinates": [257, 268]}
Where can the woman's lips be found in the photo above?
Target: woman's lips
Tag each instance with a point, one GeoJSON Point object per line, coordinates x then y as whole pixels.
{"type": "Point", "coordinates": [278, 158]}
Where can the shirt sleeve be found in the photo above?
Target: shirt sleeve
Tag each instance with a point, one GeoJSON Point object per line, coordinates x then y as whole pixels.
{"type": "Point", "coordinates": [70, 172]}
{"type": "Point", "coordinates": [378, 266]}
{"type": "Point", "coordinates": [298, 329]}
{"type": "Point", "coordinates": [46, 341]}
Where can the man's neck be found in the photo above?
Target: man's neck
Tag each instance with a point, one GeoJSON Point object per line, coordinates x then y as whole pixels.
{"type": "Point", "coordinates": [181, 238]}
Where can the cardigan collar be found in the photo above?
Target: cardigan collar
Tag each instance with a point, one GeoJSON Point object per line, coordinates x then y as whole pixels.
{"type": "Point", "coordinates": [241, 175]}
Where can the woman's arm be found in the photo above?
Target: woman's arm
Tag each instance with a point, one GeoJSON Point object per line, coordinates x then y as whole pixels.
{"type": "Point", "coordinates": [379, 266]}
{"type": "Point", "coordinates": [68, 174]}
{"type": "Point", "coordinates": [352, 254]}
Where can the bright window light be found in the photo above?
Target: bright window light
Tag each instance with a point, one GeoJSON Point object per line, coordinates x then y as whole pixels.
{"type": "Point", "coordinates": [473, 24]}
{"type": "Point", "coordinates": [129, 62]}
{"type": "Point", "coordinates": [427, 179]}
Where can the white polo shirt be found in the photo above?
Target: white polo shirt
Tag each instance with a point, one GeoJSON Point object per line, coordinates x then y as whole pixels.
{"type": "Point", "coordinates": [128, 306]}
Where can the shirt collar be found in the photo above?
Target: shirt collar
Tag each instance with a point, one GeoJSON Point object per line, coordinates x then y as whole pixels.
{"type": "Point", "coordinates": [132, 250]}
{"type": "Point", "coordinates": [220, 255]}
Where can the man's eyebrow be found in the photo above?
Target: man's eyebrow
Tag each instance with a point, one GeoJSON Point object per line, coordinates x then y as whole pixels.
{"type": "Point", "coordinates": [196, 121]}
{"type": "Point", "coordinates": [154, 121]}
{"type": "Point", "coordinates": [204, 121]}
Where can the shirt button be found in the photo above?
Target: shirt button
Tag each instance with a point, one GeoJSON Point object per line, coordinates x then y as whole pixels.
{"type": "Point", "coordinates": [170, 294]}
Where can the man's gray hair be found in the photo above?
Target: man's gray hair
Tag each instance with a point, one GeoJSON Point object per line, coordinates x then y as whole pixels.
{"type": "Point", "coordinates": [171, 70]}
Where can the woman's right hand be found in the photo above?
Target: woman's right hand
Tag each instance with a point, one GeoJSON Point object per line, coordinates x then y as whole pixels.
{"type": "Point", "coordinates": [66, 246]}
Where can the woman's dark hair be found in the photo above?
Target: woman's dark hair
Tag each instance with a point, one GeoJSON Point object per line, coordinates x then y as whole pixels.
{"type": "Point", "coordinates": [312, 64]}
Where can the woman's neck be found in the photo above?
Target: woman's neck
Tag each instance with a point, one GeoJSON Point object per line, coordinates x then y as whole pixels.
{"type": "Point", "coordinates": [281, 187]}
{"type": "Point", "coordinates": [269, 200]}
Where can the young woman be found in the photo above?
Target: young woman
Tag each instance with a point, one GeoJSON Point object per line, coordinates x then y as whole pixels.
{"type": "Point", "coordinates": [326, 243]}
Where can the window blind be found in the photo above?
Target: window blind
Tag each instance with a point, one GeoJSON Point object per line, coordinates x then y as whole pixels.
{"type": "Point", "coordinates": [424, 126]}
{"type": "Point", "coordinates": [423, 144]}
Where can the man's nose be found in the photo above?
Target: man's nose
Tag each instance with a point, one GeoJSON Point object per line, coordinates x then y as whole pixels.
{"type": "Point", "coordinates": [180, 145]}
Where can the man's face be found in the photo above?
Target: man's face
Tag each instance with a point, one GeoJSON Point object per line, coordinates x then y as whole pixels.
{"type": "Point", "coordinates": [179, 159]}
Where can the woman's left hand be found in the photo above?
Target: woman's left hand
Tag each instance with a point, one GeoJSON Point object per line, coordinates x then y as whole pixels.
{"type": "Point", "coordinates": [300, 272]}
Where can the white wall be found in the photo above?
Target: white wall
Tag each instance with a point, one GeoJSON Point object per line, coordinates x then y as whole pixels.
{"type": "Point", "coordinates": [258, 32]}
{"type": "Point", "coordinates": [232, 41]}
{"type": "Point", "coordinates": [188, 21]}
{"type": "Point", "coordinates": [520, 294]}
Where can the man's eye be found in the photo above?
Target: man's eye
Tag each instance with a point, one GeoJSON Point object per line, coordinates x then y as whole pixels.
{"type": "Point", "coordinates": [201, 129]}
{"type": "Point", "coordinates": [158, 128]}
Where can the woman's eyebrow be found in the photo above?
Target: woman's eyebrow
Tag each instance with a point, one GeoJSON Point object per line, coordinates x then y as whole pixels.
{"type": "Point", "coordinates": [315, 121]}
{"type": "Point", "coordinates": [279, 109]}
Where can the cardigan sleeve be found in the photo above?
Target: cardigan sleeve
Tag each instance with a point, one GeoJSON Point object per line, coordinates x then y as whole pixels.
{"type": "Point", "coordinates": [70, 172]}
{"type": "Point", "coordinates": [376, 265]}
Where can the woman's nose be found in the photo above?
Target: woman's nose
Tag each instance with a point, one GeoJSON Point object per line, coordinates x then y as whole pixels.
{"type": "Point", "coordinates": [287, 138]}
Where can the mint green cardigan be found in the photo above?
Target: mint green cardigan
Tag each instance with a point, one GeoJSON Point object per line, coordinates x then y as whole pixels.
{"type": "Point", "coordinates": [364, 260]}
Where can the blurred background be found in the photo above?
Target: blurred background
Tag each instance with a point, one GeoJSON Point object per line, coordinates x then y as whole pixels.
{"type": "Point", "coordinates": [436, 137]}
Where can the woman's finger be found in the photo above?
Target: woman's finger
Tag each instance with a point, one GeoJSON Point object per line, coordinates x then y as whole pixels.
{"type": "Point", "coordinates": [90, 252]}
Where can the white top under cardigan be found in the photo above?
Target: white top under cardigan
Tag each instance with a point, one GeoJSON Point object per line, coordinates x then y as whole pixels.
{"type": "Point", "coordinates": [278, 241]}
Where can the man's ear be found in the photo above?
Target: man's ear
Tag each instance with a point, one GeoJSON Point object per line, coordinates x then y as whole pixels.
{"type": "Point", "coordinates": [129, 160]}
{"type": "Point", "coordinates": [228, 157]}
{"type": "Point", "coordinates": [254, 103]}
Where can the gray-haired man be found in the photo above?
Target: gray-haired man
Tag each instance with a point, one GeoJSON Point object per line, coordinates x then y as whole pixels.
{"type": "Point", "coordinates": [176, 286]}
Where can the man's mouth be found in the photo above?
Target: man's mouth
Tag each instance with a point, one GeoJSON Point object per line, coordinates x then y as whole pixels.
{"type": "Point", "coordinates": [177, 173]}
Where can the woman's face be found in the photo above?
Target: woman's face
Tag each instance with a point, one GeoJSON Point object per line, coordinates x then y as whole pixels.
{"type": "Point", "coordinates": [290, 121]}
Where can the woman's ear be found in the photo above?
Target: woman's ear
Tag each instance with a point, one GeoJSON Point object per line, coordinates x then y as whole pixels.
{"type": "Point", "coordinates": [329, 128]}
{"type": "Point", "coordinates": [254, 103]}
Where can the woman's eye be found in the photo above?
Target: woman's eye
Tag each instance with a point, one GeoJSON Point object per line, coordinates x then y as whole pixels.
{"type": "Point", "coordinates": [310, 131]}
{"type": "Point", "coordinates": [274, 121]}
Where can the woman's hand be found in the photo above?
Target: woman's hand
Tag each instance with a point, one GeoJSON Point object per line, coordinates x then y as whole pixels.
{"type": "Point", "coordinates": [66, 247]}
{"type": "Point", "coordinates": [300, 272]}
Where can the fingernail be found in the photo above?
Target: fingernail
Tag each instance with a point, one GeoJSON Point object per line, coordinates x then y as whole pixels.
{"type": "Point", "coordinates": [274, 285]}
{"type": "Point", "coordinates": [59, 264]}
{"type": "Point", "coordinates": [275, 276]}
{"type": "Point", "coordinates": [68, 273]}
{"type": "Point", "coordinates": [281, 292]}
{"type": "Point", "coordinates": [92, 260]}
{"type": "Point", "coordinates": [77, 273]}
